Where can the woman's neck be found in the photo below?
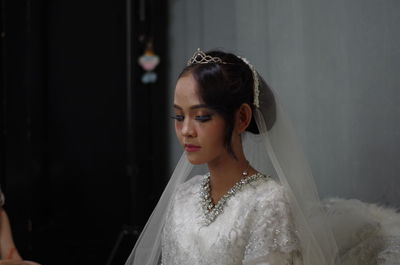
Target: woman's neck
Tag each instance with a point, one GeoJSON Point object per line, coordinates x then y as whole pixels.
{"type": "Point", "coordinates": [225, 173]}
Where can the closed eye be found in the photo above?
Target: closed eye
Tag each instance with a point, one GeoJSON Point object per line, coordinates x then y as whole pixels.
{"type": "Point", "coordinates": [203, 118]}
{"type": "Point", "coordinates": [178, 117]}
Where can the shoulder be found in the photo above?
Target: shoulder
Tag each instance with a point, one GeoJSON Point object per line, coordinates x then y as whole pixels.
{"type": "Point", "coordinates": [268, 190]}
{"type": "Point", "coordinates": [269, 199]}
{"type": "Point", "coordinates": [272, 229]}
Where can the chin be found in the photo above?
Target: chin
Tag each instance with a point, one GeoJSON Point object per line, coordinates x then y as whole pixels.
{"type": "Point", "coordinates": [194, 160]}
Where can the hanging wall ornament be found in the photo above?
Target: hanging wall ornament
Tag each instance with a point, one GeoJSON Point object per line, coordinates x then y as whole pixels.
{"type": "Point", "coordinates": [149, 61]}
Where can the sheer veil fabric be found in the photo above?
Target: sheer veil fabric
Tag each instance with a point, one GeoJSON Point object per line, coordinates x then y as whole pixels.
{"type": "Point", "coordinates": [276, 152]}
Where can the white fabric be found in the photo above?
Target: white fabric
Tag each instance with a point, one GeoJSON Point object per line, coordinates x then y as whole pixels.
{"type": "Point", "coordinates": [366, 234]}
{"type": "Point", "coordinates": [147, 249]}
{"type": "Point", "coordinates": [255, 227]}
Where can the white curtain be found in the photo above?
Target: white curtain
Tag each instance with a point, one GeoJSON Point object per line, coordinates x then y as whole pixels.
{"type": "Point", "coordinates": [336, 65]}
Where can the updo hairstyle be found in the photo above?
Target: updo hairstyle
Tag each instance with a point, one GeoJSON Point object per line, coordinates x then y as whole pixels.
{"type": "Point", "coordinates": [224, 87]}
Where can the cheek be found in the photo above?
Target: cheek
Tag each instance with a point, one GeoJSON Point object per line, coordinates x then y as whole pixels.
{"type": "Point", "coordinates": [216, 135]}
{"type": "Point", "coordinates": [220, 138]}
{"type": "Point", "coordinates": [178, 130]}
{"type": "Point", "coordinates": [218, 129]}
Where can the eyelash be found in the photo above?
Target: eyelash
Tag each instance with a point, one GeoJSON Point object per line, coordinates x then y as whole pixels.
{"type": "Point", "coordinates": [178, 117]}
{"type": "Point", "coordinates": [200, 118]}
{"type": "Point", "coordinates": [203, 118]}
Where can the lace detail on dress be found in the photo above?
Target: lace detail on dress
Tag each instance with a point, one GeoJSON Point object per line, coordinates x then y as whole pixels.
{"type": "Point", "coordinates": [273, 230]}
{"type": "Point", "coordinates": [255, 227]}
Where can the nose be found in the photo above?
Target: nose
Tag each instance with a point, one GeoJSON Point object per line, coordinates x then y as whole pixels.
{"type": "Point", "coordinates": [188, 129]}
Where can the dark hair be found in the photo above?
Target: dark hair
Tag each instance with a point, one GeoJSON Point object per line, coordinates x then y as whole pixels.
{"type": "Point", "coordinates": [224, 87]}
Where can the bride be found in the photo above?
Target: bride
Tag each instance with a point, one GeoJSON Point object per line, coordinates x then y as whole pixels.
{"type": "Point", "coordinates": [258, 203]}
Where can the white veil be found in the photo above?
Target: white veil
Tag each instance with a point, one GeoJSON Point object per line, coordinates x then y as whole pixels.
{"type": "Point", "coordinates": [276, 152]}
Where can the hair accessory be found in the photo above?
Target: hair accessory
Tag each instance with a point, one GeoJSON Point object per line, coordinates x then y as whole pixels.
{"type": "Point", "coordinates": [256, 82]}
{"type": "Point", "coordinates": [199, 57]}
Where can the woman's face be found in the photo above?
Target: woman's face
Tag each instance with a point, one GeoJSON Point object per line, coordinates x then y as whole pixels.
{"type": "Point", "coordinates": [199, 129]}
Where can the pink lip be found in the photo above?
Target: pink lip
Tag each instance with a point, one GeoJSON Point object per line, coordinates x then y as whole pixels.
{"type": "Point", "coordinates": [192, 148]}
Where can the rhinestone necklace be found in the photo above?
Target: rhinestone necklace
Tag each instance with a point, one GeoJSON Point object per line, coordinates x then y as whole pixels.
{"type": "Point", "coordinates": [210, 210]}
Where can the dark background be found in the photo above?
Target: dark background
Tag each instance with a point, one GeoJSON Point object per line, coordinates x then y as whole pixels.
{"type": "Point", "coordinates": [82, 153]}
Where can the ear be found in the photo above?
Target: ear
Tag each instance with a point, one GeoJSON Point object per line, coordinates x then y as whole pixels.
{"type": "Point", "coordinates": [243, 118]}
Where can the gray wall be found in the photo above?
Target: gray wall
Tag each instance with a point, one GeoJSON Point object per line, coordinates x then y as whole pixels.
{"type": "Point", "coordinates": [335, 65]}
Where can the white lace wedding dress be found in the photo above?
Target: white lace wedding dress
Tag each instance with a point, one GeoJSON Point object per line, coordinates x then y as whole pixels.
{"type": "Point", "coordinates": [255, 227]}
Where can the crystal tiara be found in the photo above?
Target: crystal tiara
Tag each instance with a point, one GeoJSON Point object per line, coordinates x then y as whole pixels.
{"type": "Point", "coordinates": [199, 57]}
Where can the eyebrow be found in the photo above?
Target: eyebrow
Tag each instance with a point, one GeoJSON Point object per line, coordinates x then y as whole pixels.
{"type": "Point", "coordinates": [199, 106]}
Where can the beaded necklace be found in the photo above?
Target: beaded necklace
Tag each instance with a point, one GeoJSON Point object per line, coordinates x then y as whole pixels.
{"type": "Point", "coordinates": [210, 210]}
